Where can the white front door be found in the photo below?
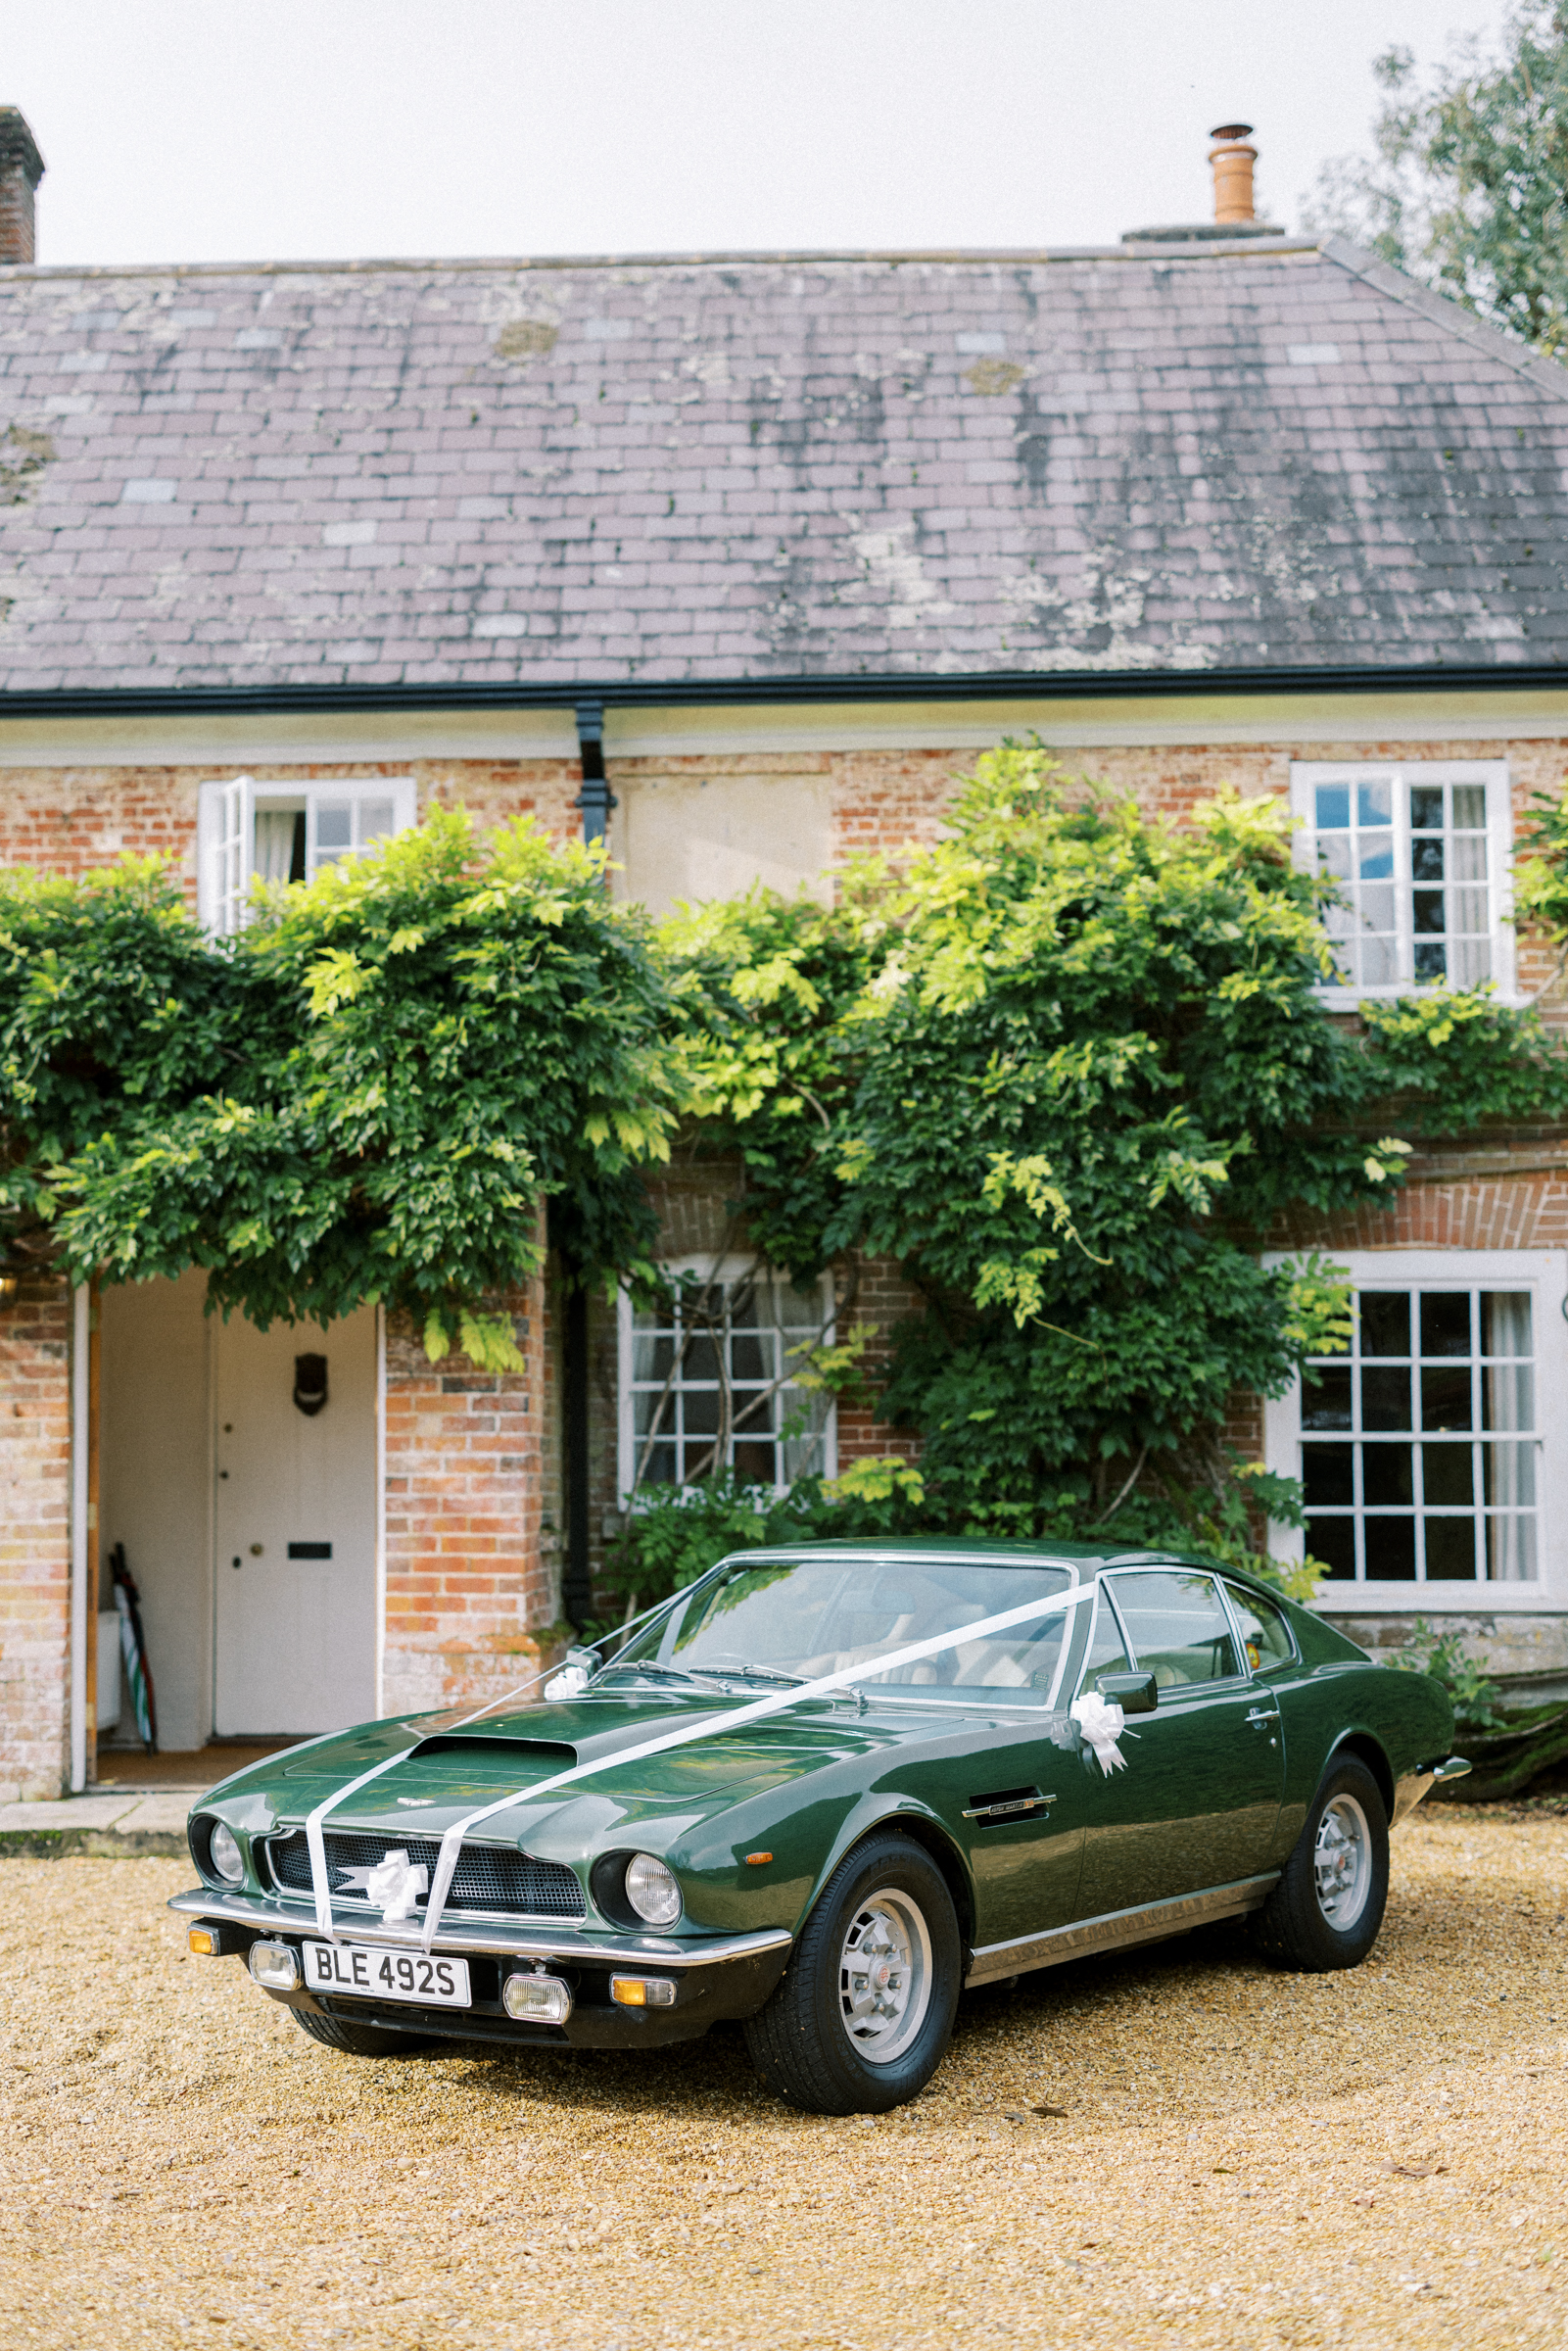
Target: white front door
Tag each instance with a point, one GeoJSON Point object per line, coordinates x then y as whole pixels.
{"type": "Point", "coordinates": [296, 1527]}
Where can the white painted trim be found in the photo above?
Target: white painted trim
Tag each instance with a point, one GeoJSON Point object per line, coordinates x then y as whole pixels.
{"type": "Point", "coordinates": [1307, 775]}
{"type": "Point", "coordinates": [80, 1340]}
{"type": "Point", "coordinates": [1545, 1273]}
{"type": "Point", "coordinates": [381, 1509]}
{"type": "Point", "coordinates": [721, 1268]}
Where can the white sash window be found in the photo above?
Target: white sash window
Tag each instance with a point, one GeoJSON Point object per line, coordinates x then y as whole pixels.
{"type": "Point", "coordinates": [1428, 1452]}
{"type": "Point", "coordinates": [286, 832]}
{"type": "Point", "coordinates": [706, 1380]}
{"type": "Point", "coordinates": [1420, 849]}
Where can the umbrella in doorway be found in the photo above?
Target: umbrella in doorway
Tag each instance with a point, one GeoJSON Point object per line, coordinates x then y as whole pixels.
{"type": "Point", "coordinates": [133, 1649]}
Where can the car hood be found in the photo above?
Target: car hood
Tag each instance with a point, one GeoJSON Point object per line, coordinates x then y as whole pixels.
{"type": "Point", "coordinates": [451, 1767]}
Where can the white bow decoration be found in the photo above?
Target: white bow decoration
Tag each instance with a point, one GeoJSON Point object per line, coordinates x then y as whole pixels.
{"type": "Point", "coordinates": [1102, 1724]}
{"type": "Point", "coordinates": [568, 1682]}
{"type": "Point", "coordinates": [395, 1887]}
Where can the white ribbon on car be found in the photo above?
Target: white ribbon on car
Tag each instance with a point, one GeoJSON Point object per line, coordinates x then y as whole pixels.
{"type": "Point", "coordinates": [315, 1841]}
{"type": "Point", "coordinates": [733, 1719]}
{"type": "Point", "coordinates": [1102, 1723]}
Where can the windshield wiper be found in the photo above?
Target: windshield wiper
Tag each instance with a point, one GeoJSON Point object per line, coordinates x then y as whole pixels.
{"type": "Point", "coordinates": [649, 1671]}
{"type": "Point", "coordinates": [751, 1673]}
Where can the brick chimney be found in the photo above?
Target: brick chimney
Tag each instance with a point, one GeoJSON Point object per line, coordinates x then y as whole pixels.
{"type": "Point", "coordinates": [20, 169]}
{"type": "Point", "coordinates": [1233, 161]}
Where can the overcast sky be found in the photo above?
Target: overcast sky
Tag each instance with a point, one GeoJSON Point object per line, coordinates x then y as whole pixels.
{"type": "Point", "coordinates": [208, 130]}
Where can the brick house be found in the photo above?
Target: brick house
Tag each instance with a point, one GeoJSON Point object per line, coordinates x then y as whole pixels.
{"type": "Point", "coordinates": [743, 557]}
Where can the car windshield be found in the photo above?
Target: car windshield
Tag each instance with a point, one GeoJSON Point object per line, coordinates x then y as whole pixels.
{"type": "Point", "coordinates": [808, 1617]}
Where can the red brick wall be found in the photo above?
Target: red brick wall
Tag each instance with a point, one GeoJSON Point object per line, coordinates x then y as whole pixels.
{"type": "Point", "coordinates": [465, 1579]}
{"type": "Point", "coordinates": [36, 1541]}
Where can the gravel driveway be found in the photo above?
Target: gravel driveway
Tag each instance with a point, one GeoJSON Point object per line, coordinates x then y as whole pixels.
{"type": "Point", "coordinates": [1245, 2158]}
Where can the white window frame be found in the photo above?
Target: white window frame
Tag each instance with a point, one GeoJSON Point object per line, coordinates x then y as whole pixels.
{"type": "Point", "coordinates": [1545, 1274]}
{"type": "Point", "coordinates": [225, 831]}
{"type": "Point", "coordinates": [1304, 777]}
{"type": "Point", "coordinates": [706, 1268]}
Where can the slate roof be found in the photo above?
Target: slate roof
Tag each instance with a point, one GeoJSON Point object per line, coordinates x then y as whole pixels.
{"type": "Point", "coordinates": [1222, 458]}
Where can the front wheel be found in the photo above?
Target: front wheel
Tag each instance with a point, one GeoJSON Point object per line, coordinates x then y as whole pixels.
{"type": "Point", "coordinates": [1326, 1911]}
{"type": "Point", "coordinates": [864, 2012]}
{"type": "Point", "coordinates": [357, 2040]}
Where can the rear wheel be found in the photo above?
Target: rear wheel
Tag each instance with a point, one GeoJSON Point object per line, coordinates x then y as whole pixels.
{"type": "Point", "coordinates": [864, 2012]}
{"type": "Point", "coordinates": [1326, 1911]}
{"type": "Point", "coordinates": [357, 2040]}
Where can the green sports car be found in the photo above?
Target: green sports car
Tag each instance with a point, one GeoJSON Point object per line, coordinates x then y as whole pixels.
{"type": "Point", "coordinates": [822, 1791]}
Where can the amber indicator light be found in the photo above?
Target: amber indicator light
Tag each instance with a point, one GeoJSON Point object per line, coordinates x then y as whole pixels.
{"type": "Point", "coordinates": [753, 1858]}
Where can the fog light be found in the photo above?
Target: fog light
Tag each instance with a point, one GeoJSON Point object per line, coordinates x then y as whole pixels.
{"type": "Point", "coordinates": [537, 2000]}
{"type": "Point", "coordinates": [274, 1966]}
{"type": "Point", "coordinates": [642, 1991]}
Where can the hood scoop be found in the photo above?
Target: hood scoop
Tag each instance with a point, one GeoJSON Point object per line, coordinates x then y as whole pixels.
{"type": "Point", "coordinates": [553, 1751]}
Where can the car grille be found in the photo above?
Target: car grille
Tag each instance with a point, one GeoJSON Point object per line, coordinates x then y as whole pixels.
{"type": "Point", "coordinates": [513, 1885]}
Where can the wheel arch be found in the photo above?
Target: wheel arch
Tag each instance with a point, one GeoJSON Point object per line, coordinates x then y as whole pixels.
{"type": "Point", "coordinates": [1369, 1749]}
{"type": "Point", "coordinates": [923, 1829]}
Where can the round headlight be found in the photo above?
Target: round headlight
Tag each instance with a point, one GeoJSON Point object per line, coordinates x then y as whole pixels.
{"type": "Point", "coordinates": [223, 1852]}
{"type": "Point", "coordinates": [652, 1891]}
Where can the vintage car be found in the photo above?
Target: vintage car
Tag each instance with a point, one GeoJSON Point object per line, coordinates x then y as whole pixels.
{"type": "Point", "coordinates": [822, 1791]}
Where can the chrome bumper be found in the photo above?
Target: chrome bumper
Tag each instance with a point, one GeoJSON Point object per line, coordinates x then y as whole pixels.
{"type": "Point", "coordinates": [1408, 1791]}
{"type": "Point", "coordinates": [567, 1945]}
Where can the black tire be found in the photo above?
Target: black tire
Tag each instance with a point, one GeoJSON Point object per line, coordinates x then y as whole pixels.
{"type": "Point", "coordinates": [1326, 1911]}
{"type": "Point", "coordinates": [359, 2040]}
{"type": "Point", "coordinates": [818, 2042]}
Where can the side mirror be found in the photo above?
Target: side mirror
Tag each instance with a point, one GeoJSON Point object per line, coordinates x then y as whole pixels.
{"type": "Point", "coordinates": [1133, 1693]}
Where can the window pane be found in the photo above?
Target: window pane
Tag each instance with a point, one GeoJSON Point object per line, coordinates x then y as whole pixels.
{"type": "Point", "coordinates": [1108, 1652]}
{"type": "Point", "coordinates": [1178, 1630]}
{"type": "Point", "coordinates": [334, 826]}
{"type": "Point", "coordinates": [1445, 1321]}
{"type": "Point", "coordinates": [1326, 1396]}
{"type": "Point", "coordinates": [700, 1410]}
{"type": "Point", "coordinates": [1426, 861]}
{"type": "Point", "coordinates": [375, 820]}
{"type": "Point", "coordinates": [1469, 807]}
{"type": "Point", "coordinates": [1333, 807]}
{"type": "Point", "coordinates": [1386, 1473]}
{"type": "Point", "coordinates": [1333, 1542]}
{"type": "Point", "coordinates": [751, 1357]}
{"type": "Point", "coordinates": [1430, 962]}
{"type": "Point", "coordinates": [652, 1354]}
{"type": "Point", "coordinates": [702, 1361]}
{"type": "Point", "coordinates": [1374, 800]}
{"type": "Point", "coordinates": [1390, 1550]}
{"type": "Point", "coordinates": [1449, 1549]}
{"type": "Point", "coordinates": [1511, 1550]}
{"type": "Point", "coordinates": [1328, 1475]}
{"type": "Point", "coordinates": [1428, 905]}
{"type": "Point", "coordinates": [1385, 1399]}
{"type": "Point", "coordinates": [1384, 1322]}
{"type": "Point", "coordinates": [1505, 1322]}
{"type": "Point", "coordinates": [756, 1463]}
{"type": "Point", "coordinates": [1426, 807]}
{"type": "Point", "coordinates": [1448, 1475]}
{"type": "Point", "coordinates": [1508, 1396]}
{"type": "Point", "coordinates": [1266, 1636]}
{"type": "Point", "coordinates": [1467, 858]}
{"type": "Point", "coordinates": [1509, 1475]}
{"type": "Point", "coordinates": [1446, 1397]}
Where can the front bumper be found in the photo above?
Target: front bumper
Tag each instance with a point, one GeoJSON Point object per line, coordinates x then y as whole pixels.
{"type": "Point", "coordinates": [716, 1978]}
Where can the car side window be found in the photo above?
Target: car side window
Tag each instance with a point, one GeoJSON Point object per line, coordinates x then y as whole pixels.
{"type": "Point", "coordinates": [1265, 1635]}
{"type": "Point", "coordinates": [1108, 1647]}
{"type": "Point", "coordinates": [1178, 1625]}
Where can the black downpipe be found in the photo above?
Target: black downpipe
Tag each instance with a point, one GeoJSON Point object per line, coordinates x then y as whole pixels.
{"type": "Point", "coordinates": [596, 801]}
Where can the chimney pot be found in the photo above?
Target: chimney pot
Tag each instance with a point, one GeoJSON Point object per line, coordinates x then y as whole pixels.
{"type": "Point", "coordinates": [20, 169]}
{"type": "Point", "coordinates": [1233, 159]}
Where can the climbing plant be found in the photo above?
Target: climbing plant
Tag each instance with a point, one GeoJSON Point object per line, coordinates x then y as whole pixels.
{"type": "Point", "coordinates": [372, 1094]}
{"type": "Point", "coordinates": [1070, 1069]}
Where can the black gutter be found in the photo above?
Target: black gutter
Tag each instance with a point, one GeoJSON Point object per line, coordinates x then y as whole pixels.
{"type": "Point", "coordinates": [629, 693]}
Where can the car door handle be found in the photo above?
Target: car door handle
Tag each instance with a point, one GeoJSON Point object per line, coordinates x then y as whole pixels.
{"type": "Point", "coordinates": [1259, 1717]}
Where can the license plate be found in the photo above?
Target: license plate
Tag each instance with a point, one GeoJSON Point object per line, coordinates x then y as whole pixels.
{"type": "Point", "coordinates": [369, 1972]}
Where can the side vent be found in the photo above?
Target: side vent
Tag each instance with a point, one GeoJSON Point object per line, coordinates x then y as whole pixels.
{"type": "Point", "coordinates": [1006, 1804]}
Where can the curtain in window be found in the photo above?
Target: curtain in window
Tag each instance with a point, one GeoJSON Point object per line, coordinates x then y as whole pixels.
{"type": "Point", "coordinates": [274, 844]}
{"type": "Point", "coordinates": [1509, 1400]}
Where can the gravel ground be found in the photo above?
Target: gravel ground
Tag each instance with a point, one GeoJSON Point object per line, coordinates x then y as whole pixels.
{"type": "Point", "coordinates": [1244, 2158]}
